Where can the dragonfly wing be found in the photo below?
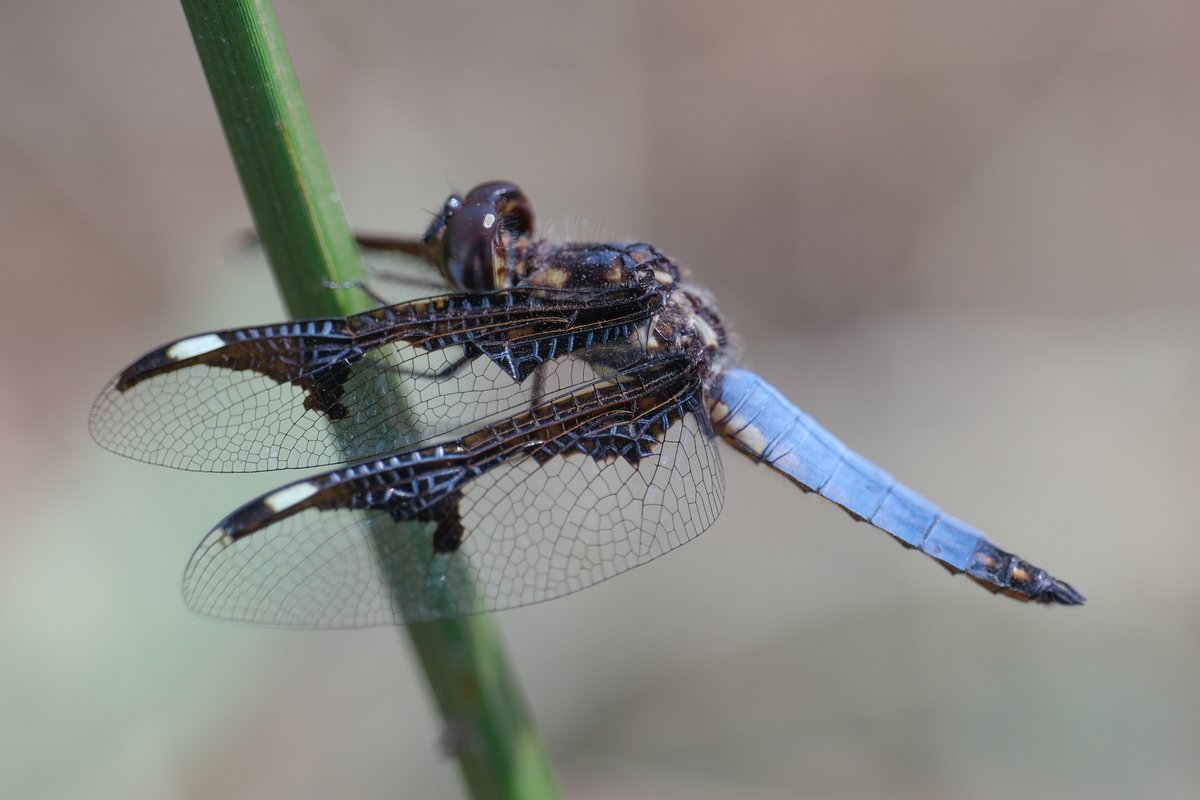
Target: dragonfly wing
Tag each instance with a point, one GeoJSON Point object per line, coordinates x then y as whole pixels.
{"type": "Point", "coordinates": [580, 488]}
{"type": "Point", "coordinates": [758, 420]}
{"type": "Point", "coordinates": [316, 392]}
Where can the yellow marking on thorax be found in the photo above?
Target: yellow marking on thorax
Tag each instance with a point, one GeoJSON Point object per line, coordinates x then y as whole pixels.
{"type": "Point", "coordinates": [552, 278]}
{"type": "Point", "coordinates": [707, 335]}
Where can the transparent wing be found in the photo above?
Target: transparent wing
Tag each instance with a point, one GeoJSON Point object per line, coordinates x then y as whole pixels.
{"type": "Point", "coordinates": [317, 392]}
{"type": "Point", "coordinates": [581, 488]}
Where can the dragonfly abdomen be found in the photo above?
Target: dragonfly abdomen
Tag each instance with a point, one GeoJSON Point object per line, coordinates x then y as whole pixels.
{"type": "Point", "coordinates": [753, 416]}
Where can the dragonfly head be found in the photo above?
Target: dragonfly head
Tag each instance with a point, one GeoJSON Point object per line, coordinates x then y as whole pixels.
{"type": "Point", "coordinates": [470, 237]}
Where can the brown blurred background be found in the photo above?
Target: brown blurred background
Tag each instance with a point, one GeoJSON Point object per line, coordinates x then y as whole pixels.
{"type": "Point", "coordinates": [962, 235]}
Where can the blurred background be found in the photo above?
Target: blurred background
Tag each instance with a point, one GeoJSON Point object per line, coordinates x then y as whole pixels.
{"type": "Point", "coordinates": [963, 236]}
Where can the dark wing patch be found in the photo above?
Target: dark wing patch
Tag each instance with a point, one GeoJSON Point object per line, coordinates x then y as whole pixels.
{"type": "Point", "coordinates": [581, 488]}
{"type": "Point", "coordinates": [312, 393]}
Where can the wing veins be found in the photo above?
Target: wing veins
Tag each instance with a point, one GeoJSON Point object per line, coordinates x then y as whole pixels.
{"type": "Point", "coordinates": [331, 360]}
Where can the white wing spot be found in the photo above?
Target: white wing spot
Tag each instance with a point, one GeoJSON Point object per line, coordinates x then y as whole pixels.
{"type": "Point", "coordinates": [195, 346]}
{"type": "Point", "coordinates": [289, 495]}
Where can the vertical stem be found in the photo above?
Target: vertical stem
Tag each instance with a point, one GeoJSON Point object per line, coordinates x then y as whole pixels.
{"type": "Point", "coordinates": [302, 226]}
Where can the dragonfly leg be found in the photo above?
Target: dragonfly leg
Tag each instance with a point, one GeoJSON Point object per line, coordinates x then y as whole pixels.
{"type": "Point", "coordinates": [360, 285]}
{"type": "Point", "coordinates": [450, 370]}
{"type": "Point", "coordinates": [387, 243]}
{"type": "Point", "coordinates": [382, 243]}
{"type": "Point", "coordinates": [538, 388]}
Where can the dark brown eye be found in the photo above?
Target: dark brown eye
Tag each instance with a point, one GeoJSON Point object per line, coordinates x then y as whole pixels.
{"type": "Point", "coordinates": [514, 208]}
{"type": "Point", "coordinates": [468, 251]}
{"type": "Point", "coordinates": [471, 229]}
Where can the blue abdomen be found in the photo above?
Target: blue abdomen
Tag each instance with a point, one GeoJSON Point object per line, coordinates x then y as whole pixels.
{"type": "Point", "coordinates": [753, 416]}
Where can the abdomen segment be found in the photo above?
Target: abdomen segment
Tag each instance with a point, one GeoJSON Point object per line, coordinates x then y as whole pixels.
{"type": "Point", "coordinates": [755, 418]}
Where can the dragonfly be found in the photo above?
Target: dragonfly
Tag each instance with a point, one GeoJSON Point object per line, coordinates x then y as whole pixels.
{"type": "Point", "coordinates": [546, 421]}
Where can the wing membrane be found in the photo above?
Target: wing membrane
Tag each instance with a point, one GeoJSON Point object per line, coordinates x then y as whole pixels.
{"type": "Point", "coordinates": [579, 488]}
{"type": "Point", "coordinates": [313, 393]}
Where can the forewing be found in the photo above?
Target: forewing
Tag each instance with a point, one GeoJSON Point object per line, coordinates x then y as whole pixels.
{"type": "Point", "coordinates": [313, 393]}
{"type": "Point", "coordinates": [505, 517]}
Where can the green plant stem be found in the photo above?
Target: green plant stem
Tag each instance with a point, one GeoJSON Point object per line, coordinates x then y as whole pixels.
{"type": "Point", "coordinates": [304, 231]}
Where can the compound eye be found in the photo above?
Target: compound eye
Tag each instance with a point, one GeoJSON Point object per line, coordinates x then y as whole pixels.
{"type": "Point", "coordinates": [509, 202]}
{"type": "Point", "coordinates": [477, 228]}
{"type": "Point", "coordinates": [469, 247]}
